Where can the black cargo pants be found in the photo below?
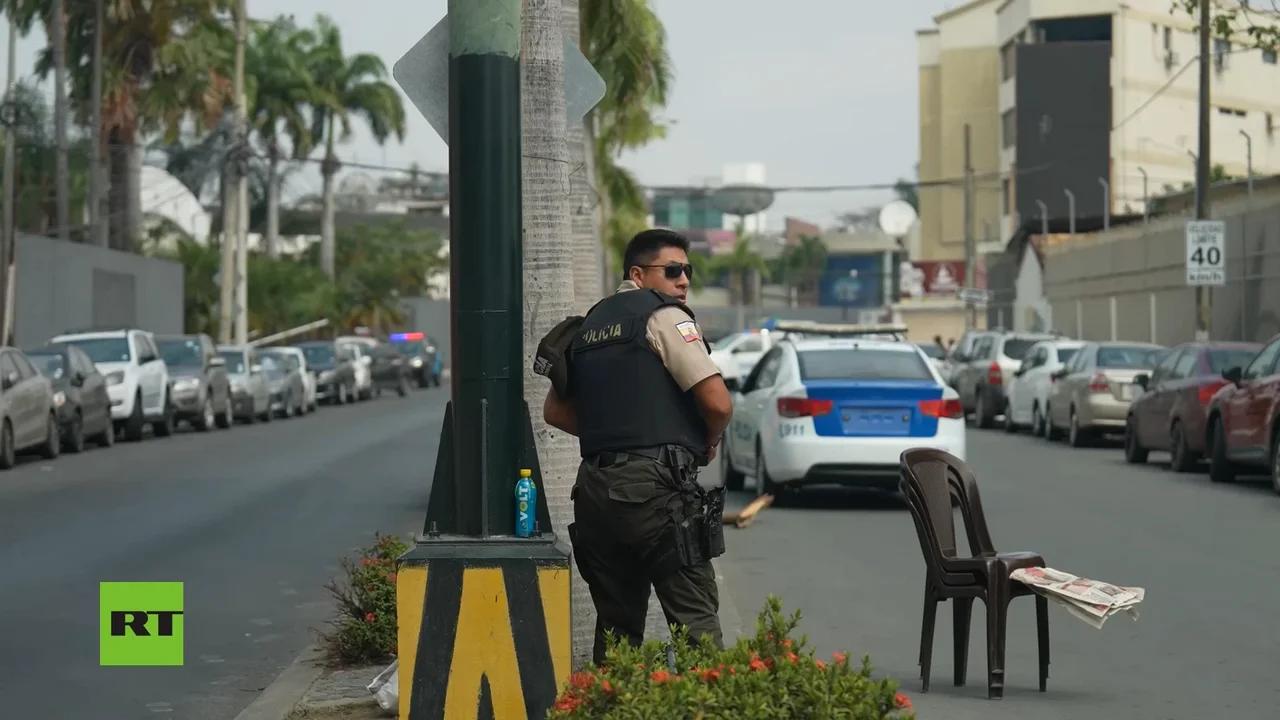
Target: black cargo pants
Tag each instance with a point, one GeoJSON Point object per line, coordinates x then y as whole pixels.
{"type": "Point", "coordinates": [622, 544]}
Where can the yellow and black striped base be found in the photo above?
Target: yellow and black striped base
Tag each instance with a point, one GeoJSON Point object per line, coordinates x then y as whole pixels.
{"type": "Point", "coordinates": [484, 629]}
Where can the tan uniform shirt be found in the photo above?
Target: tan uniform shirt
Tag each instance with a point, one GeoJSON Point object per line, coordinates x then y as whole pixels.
{"type": "Point", "coordinates": [677, 339]}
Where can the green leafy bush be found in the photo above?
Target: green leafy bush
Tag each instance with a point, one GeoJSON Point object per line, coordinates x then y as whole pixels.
{"type": "Point", "coordinates": [771, 675]}
{"type": "Point", "coordinates": [365, 629]}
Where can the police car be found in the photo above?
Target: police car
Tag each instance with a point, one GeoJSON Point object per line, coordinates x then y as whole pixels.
{"type": "Point", "coordinates": [838, 404]}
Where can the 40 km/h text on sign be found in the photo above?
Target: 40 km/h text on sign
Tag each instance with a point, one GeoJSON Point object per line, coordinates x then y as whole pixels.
{"type": "Point", "coordinates": [1206, 252]}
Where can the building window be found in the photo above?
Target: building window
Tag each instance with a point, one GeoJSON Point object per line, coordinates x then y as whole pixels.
{"type": "Point", "coordinates": [1008, 60]}
{"type": "Point", "coordinates": [1269, 57]}
{"type": "Point", "coordinates": [1005, 203]}
{"type": "Point", "coordinates": [1271, 125]}
{"type": "Point", "coordinates": [1168, 38]}
{"type": "Point", "coordinates": [1008, 128]}
{"type": "Point", "coordinates": [1233, 111]}
{"type": "Point", "coordinates": [1221, 49]}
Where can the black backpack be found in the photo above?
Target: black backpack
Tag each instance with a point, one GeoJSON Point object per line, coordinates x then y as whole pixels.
{"type": "Point", "coordinates": [552, 358]}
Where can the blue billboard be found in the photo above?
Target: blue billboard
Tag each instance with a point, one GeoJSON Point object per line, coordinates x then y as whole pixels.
{"type": "Point", "coordinates": [855, 281]}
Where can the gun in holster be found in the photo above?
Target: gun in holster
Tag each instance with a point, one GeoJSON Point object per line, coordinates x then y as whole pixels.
{"type": "Point", "coordinates": [699, 521]}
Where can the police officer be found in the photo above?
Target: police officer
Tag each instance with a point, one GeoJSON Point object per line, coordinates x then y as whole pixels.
{"type": "Point", "coordinates": [649, 407]}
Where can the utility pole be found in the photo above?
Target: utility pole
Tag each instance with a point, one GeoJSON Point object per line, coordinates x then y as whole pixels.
{"type": "Point", "coordinates": [1106, 203]}
{"type": "Point", "coordinates": [1044, 218]}
{"type": "Point", "coordinates": [7, 238]}
{"type": "Point", "coordinates": [232, 318]}
{"type": "Point", "coordinates": [970, 250]}
{"type": "Point", "coordinates": [97, 223]}
{"type": "Point", "coordinates": [1248, 159]}
{"type": "Point", "coordinates": [1203, 296]}
{"type": "Point", "coordinates": [242, 180]}
{"type": "Point", "coordinates": [1071, 211]}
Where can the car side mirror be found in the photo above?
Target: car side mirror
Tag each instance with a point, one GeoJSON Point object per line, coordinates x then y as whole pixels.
{"type": "Point", "coordinates": [1059, 374]}
{"type": "Point", "coordinates": [1019, 372]}
{"type": "Point", "coordinates": [78, 378]}
{"type": "Point", "coordinates": [1233, 375]}
{"type": "Point", "coordinates": [10, 379]}
{"type": "Point", "coordinates": [1143, 381]}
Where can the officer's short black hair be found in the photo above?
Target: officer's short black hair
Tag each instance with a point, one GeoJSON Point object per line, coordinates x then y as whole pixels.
{"type": "Point", "coordinates": [645, 246]}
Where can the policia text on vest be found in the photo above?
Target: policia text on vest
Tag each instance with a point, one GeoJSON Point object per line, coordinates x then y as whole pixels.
{"type": "Point", "coordinates": [641, 519]}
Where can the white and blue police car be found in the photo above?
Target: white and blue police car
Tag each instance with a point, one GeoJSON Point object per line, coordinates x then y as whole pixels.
{"type": "Point", "coordinates": [838, 404]}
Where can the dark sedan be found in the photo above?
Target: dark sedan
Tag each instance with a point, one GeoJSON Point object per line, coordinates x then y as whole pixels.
{"type": "Point", "coordinates": [334, 368]}
{"type": "Point", "coordinates": [424, 358]}
{"type": "Point", "coordinates": [390, 370]}
{"type": "Point", "coordinates": [1171, 412]}
{"type": "Point", "coordinates": [79, 395]}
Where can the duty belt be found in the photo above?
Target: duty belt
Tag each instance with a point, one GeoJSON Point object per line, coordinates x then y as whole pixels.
{"type": "Point", "coordinates": [669, 455]}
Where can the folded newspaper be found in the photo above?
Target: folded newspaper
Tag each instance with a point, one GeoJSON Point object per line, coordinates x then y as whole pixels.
{"type": "Point", "coordinates": [1090, 601]}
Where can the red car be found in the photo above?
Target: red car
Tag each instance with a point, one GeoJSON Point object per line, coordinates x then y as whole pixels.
{"type": "Point", "coordinates": [1171, 412]}
{"type": "Point", "coordinates": [1244, 419]}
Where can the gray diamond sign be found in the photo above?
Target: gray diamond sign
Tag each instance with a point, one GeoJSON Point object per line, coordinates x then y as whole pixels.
{"type": "Point", "coordinates": [423, 74]}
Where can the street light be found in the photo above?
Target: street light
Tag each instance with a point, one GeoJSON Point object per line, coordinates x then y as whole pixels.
{"type": "Point", "coordinates": [1248, 147]}
{"type": "Point", "coordinates": [1044, 218]}
{"type": "Point", "coordinates": [1106, 203]}
{"type": "Point", "coordinates": [1071, 209]}
{"type": "Point", "coordinates": [1146, 212]}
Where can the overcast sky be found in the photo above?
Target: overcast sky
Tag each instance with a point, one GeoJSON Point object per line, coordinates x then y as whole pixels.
{"type": "Point", "coordinates": [821, 91]}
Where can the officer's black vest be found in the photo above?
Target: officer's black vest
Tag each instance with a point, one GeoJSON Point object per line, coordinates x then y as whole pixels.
{"type": "Point", "coordinates": [623, 394]}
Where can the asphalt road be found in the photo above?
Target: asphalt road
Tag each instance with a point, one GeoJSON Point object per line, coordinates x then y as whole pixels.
{"type": "Point", "coordinates": [1208, 641]}
{"type": "Point", "coordinates": [252, 520]}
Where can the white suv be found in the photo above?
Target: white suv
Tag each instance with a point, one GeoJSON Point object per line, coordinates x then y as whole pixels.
{"type": "Point", "coordinates": [137, 378]}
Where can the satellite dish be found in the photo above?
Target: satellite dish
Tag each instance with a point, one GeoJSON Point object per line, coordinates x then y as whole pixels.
{"type": "Point", "coordinates": [896, 218]}
{"type": "Point", "coordinates": [742, 199]}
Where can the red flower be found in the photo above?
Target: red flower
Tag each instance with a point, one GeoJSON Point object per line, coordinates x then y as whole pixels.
{"type": "Point", "coordinates": [582, 680]}
{"type": "Point", "coordinates": [902, 701]}
{"type": "Point", "coordinates": [821, 665]}
{"type": "Point", "coordinates": [787, 643]}
{"type": "Point", "coordinates": [366, 561]}
{"type": "Point", "coordinates": [839, 658]}
{"type": "Point", "coordinates": [567, 703]}
{"type": "Point", "coordinates": [370, 617]}
{"type": "Point", "coordinates": [709, 675]}
{"type": "Point", "coordinates": [660, 676]}
{"type": "Point", "coordinates": [607, 687]}
{"type": "Point", "coordinates": [391, 577]}
{"type": "Point", "coordinates": [757, 666]}
{"type": "Point", "coordinates": [792, 657]}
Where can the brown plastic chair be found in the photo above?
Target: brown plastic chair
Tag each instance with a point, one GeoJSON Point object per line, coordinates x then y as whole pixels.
{"type": "Point", "coordinates": [932, 480]}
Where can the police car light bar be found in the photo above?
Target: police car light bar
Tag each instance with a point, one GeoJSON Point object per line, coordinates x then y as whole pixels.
{"type": "Point", "coordinates": [809, 327]}
{"type": "Point", "coordinates": [407, 337]}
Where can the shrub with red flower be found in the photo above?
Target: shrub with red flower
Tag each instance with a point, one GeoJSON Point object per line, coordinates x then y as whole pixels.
{"type": "Point", "coordinates": [365, 629]}
{"type": "Point", "coordinates": [771, 674]}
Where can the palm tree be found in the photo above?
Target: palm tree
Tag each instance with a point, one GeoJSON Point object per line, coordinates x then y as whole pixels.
{"type": "Point", "coordinates": [166, 63]}
{"type": "Point", "coordinates": [802, 265]}
{"type": "Point", "coordinates": [740, 264]}
{"type": "Point", "coordinates": [279, 89]}
{"type": "Point", "coordinates": [626, 43]}
{"type": "Point", "coordinates": [341, 87]}
{"type": "Point", "coordinates": [588, 253]}
{"type": "Point", "coordinates": [548, 261]}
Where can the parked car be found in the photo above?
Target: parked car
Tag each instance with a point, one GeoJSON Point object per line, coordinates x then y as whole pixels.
{"type": "Point", "coordinates": [284, 381]}
{"type": "Point", "coordinates": [391, 370]}
{"type": "Point", "coordinates": [959, 353]}
{"type": "Point", "coordinates": [360, 348]}
{"type": "Point", "coordinates": [200, 385]}
{"type": "Point", "coordinates": [1244, 419]}
{"type": "Point", "coordinates": [1028, 393]}
{"type": "Point", "coordinates": [1093, 392]}
{"type": "Point", "coordinates": [79, 395]}
{"type": "Point", "coordinates": [28, 419]}
{"type": "Point", "coordinates": [335, 370]}
{"type": "Point", "coordinates": [988, 368]}
{"type": "Point", "coordinates": [838, 411]}
{"type": "Point", "coordinates": [1171, 411]}
{"type": "Point", "coordinates": [424, 360]}
{"type": "Point", "coordinates": [296, 360]}
{"type": "Point", "coordinates": [137, 377]}
{"type": "Point", "coordinates": [250, 394]}
{"type": "Point", "coordinates": [737, 354]}
{"type": "Point", "coordinates": [936, 354]}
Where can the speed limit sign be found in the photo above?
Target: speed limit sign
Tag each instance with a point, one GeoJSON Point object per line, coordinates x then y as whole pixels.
{"type": "Point", "coordinates": [1206, 245]}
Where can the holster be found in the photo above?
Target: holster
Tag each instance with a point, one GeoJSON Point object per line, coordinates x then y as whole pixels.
{"type": "Point", "coordinates": [698, 527]}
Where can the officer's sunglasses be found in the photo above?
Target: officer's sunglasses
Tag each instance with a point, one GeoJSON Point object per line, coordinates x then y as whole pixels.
{"type": "Point", "coordinates": [673, 270]}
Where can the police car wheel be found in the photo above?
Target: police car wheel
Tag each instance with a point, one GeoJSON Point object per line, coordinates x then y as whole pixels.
{"type": "Point", "coordinates": [764, 486]}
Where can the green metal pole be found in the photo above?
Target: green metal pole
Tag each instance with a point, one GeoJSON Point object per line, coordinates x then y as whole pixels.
{"type": "Point", "coordinates": [485, 247]}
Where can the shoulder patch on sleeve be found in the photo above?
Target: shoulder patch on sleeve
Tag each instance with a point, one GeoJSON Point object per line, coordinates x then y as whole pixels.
{"type": "Point", "coordinates": [689, 331]}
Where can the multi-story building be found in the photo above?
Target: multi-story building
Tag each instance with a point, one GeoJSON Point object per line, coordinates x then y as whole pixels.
{"type": "Point", "coordinates": [1100, 97]}
{"type": "Point", "coordinates": [1096, 98]}
{"type": "Point", "coordinates": [959, 85]}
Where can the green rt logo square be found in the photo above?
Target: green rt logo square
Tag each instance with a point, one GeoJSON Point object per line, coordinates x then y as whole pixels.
{"type": "Point", "coordinates": [140, 623]}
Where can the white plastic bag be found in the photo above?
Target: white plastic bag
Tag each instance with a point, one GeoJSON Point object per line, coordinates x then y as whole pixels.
{"type": "Point", "coordinates": [386, 687]}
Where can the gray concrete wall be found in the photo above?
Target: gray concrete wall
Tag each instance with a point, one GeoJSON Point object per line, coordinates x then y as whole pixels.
{"type": "Point", "coordinates": [1143, 267]}
{"type": "Point", "coordinates": [63, 286]}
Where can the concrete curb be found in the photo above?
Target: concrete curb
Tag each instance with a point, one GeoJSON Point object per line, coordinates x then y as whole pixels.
{"type": "Point", "coordinates": [284, 693]}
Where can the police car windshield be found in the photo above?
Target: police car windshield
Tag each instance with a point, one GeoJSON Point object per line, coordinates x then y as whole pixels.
{"type": "Point", "coordinates": [862, 364]}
